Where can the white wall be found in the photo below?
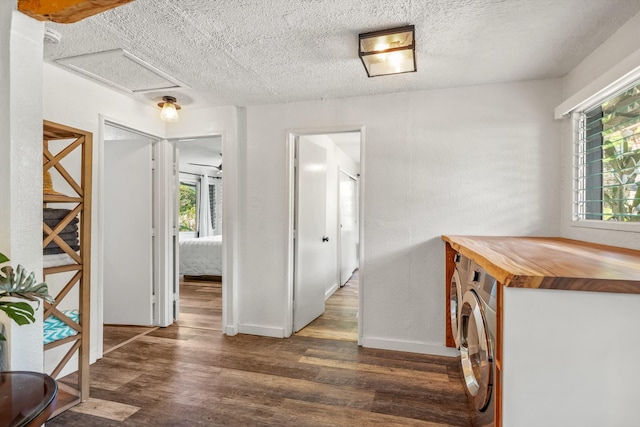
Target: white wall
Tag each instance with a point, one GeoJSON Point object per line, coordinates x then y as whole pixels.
{"type": "Point", "coordinates": [620, 46]}
{"type": "Point", "coordinates": [336, 158]}
{"type": "Point", "coordinates": [21, 167]}
{"type": "Point", "coordinates": [477, 160]}
{"type": "Point", "coordinates": [77, 102]}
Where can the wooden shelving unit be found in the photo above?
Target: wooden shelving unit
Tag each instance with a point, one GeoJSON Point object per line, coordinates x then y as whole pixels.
{"type": "Point", "coordinates": [79, 205]}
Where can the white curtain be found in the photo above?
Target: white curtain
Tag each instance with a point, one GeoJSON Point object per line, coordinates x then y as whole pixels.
{"type": "Point", "coordinates": [205, 213]}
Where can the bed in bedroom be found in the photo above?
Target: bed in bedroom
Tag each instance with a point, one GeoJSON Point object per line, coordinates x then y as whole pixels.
{"type": "Point", "coordinates": [201, 257]}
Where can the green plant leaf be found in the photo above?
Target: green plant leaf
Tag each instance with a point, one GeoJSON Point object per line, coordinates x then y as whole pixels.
{"type": "Point", "coordinates": [21, 312]}
{"type": "Point", "coordinates": [20, 284]}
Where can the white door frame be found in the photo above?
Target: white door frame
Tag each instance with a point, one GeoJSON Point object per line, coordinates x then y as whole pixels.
{"type": "Point", "coordinates": [99, 214]}
{"type": "Point", "coordinates": [230, 212]}
{"type": "Point", "coordinates": [291, 144]}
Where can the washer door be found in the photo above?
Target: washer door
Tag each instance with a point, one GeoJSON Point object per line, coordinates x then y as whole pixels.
{"type": "Point", "coordinates": [455, 304]}
{"type": "Point", "coordinates": [475, 351]}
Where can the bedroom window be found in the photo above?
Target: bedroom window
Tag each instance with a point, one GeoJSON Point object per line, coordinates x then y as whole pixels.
{"type": "Point", "coordinates": [188, 207]}
{"type": "Point", "coordinates": [212, 204]}
{"type": "Point", "coordinates": [607, 159]}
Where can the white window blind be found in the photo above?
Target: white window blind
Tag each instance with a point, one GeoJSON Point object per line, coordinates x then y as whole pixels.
{"type": "Point", "coordinates": [212, 204]}
{"type": "Point", "coordinates": [607, 159]}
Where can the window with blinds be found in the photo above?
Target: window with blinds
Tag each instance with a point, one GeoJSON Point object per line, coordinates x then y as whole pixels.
{"type": "Point", "coordinates": [608, 159]}
{"type": "Point", "coordinates": [212, 204]}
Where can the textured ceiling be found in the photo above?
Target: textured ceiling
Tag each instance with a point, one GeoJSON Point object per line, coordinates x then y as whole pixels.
{"type": "Point", "coordinates": [244, 52]}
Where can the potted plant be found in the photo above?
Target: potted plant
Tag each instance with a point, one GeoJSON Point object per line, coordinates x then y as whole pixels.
{"type": "Point", "coordinates": [18, 284]}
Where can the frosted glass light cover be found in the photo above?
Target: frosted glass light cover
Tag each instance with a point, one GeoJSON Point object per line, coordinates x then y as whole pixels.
{"type": "Point", "coordinates": [169, 113]}
{"type": "Point", "coordinates": [388, 51]}
{"type": "Point", "coordinates": [380, 64]}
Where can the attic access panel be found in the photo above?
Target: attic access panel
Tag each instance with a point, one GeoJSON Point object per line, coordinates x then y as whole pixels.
{"type": "Point", "coordinates": [123, 70]}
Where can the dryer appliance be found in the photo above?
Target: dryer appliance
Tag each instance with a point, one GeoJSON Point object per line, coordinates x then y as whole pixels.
{"type": "Point", "coordinates": [478, 323]}
{"type": "Point", "coordinates": [457, 288]}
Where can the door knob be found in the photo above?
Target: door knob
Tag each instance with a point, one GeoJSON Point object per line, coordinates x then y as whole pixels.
{"type": "Point", "coordinates": [325, 239]}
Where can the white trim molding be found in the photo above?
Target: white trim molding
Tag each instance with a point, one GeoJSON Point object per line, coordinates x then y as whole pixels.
{"type": "Point", "coordinates": [265, 331]}
{"type": "Point", "coordinates": [410, 346]}
{"type": "Point", "coordinates": [630, 227]}
{"type": "Point", "coordinates": [331, 291]}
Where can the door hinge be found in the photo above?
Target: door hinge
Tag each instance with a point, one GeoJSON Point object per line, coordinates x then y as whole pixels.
{"type": "Point", "coordinates": [295, 234]}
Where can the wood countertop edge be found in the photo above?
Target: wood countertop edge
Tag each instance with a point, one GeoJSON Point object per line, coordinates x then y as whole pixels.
{"type": "Point", "coordinates": [509, 279]}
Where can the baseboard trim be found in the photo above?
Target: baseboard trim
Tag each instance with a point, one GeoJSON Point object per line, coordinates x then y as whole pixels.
{"type": "Point", "coordinates": [264, 331]}
{"type": "Point", "coordinates": [410, 346]}
{"type": "Point", "coordinates": [331, 291]}
{"type": "Point", "coordinates": [230, 330]}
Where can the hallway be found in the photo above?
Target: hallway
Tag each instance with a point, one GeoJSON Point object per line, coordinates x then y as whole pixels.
{"type": "Point", "coordinates": [190, 374]}
{"type": "Point", "coordinates": [340, 318]}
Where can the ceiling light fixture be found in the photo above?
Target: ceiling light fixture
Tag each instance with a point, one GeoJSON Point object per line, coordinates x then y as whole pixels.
{"type": "Point", "coordinates": [170, 109]}
{"type": "Point", "coordinates": [390, 51]}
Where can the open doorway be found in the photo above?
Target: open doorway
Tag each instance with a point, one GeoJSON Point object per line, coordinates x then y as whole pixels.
{"type": "Point", "coordinates": [199, 224]}
{"type": "Point", "coordinates": [134, 231]}
{"type": "Point", "coordinates": [325, 200]}
{"type": "Point", "coordinates": [128, 220]}
{"type": "Point", "coordinates": [162, 166]}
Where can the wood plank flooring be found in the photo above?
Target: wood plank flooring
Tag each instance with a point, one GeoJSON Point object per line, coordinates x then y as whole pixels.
{"type": "Point", "coordinates": [190, 374]}
{"type": "Point", "coordinates": [201, 305]}
{"type": "Point", "coordinates": [340, 318]}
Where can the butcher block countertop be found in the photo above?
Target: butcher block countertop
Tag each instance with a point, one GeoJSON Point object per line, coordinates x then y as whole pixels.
{"type": "Point", "coordinates": [553, 263]}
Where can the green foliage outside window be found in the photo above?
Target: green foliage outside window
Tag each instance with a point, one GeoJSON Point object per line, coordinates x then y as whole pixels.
{"type": "Point", "coordinates": [187, 206]}
{"type": "Point", "coordinates": [621, 156]}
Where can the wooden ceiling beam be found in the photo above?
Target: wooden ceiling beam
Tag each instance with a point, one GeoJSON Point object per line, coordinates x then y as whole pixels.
{"type": "Point", "coordinates": [66, 11]}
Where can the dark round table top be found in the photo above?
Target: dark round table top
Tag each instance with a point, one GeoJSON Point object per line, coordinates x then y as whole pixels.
{"type": "Point", "coordinates": [23, 396]}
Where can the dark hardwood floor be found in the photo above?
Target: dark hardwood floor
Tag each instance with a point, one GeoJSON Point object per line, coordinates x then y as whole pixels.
{"type": "Point", "coordinates": [190, 374]}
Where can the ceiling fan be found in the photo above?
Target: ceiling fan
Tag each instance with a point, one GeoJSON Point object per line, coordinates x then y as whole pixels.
{"type": "Point", "coordinates": [206, 165]}
{"type": "Point", "coordinates": [219, 167]}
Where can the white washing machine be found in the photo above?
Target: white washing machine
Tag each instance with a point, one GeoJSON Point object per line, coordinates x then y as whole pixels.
{"type": "Point", "coordinates": [457, 288]}
{"type": "Point", "coordinates": [478, 324]}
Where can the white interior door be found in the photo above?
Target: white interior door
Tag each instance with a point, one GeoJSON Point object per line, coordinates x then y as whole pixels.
{"type": "Point", "coordinates": [312, 257]}
{"type": "Point", "coordinates": [348, 200]}
{"type": "Point", "coordinates": [128, 223]}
